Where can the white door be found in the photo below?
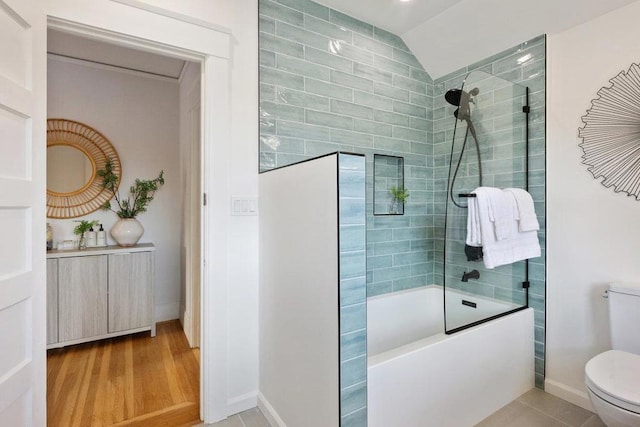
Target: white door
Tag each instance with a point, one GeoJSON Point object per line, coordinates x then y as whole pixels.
{"type": "Point", "coordinates": [22, 214]}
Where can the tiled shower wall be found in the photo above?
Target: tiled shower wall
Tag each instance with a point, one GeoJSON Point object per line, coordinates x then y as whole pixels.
{"type": "Point", "coordinates": [328, 83]}
{"type": "Point", "coordinates": [353, 291]}
{"type": "Point", "coordinates": [523, 64]}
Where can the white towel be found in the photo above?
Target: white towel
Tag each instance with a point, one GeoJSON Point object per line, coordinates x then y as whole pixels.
{"type": "Point", "coordinates": [525, 212]}
{"type": "Point", "coordinates": [473, 223]}
{"type": "Point", "coordinates": [500, 210]}
{"type": "Point", "coordinates": [520, 246]}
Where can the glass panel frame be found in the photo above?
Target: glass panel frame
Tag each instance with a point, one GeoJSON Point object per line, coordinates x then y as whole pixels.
{"type": "Point", "coordinates": [490, 140]}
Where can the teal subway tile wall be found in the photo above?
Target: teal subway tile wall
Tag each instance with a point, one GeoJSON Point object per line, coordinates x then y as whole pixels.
{"type": "Point", "coordinates": [329, 82]}
{"type": "Point", "coordinates": [334, 83]}
{"type": "Point", "coordinates": [353, 290]}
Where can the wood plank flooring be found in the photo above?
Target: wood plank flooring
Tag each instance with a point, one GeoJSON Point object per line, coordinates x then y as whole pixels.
{"type": "Point", "coordinates": [128, 381]}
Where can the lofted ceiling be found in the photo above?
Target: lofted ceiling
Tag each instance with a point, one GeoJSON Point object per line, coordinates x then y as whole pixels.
{"type": "Point", "coordinates": [97, 52]}
{"type": "Point", "coordinates": [446, 35]}
{"type": "Point", "coordinates": [396, 16]}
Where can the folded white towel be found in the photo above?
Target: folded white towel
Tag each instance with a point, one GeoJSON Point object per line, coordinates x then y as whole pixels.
{"type": "Point", "coordinates": [500, 210]}
{"type": "Point", "coordinates": [474, 237]}
{"type": "Point", "coordinates": [525, 212]}
{"type": "Point", "coordinates": [520, 246]}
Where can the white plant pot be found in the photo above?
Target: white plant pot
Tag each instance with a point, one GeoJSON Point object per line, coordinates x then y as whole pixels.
{"type": "Point", "coordinates": [127, 231]}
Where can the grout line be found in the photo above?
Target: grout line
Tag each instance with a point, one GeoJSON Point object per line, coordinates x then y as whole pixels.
{"type": "Point", "coordinates": [592, 417]}
{"type": "Point", "coordinates": [544, 413]}
{"type": "Point", "coordinates": [242, 421]}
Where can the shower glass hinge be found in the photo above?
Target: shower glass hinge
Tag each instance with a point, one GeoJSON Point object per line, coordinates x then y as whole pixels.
{"type": "Point", "coordinates": [526, 109]}
{"type": "Point", "coordinates": [526, 284]}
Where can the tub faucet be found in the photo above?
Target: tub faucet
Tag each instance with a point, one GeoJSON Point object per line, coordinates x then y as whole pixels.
{"type": "Point", "coordinates": [473, 274]}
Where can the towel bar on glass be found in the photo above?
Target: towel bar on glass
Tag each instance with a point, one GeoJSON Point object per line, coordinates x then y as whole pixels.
{"type": "Point", "coordinates": [466, 195]}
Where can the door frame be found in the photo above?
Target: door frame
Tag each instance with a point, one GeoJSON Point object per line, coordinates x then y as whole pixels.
{"type": "Point", "coordinates": [193, 202]}
{"type": "Point", "coordinates": [174, 35]}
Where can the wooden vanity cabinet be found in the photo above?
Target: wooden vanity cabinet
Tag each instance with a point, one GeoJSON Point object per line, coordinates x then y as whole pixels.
{"type": "Point", "coordinates": [99, 293]}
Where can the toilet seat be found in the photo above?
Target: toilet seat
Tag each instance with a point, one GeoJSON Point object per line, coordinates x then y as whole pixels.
{"type": "Point", "coordinates": [614, 376]}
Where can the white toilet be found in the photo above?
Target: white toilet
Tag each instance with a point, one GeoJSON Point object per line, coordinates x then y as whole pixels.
{"type": "Point", "coordinates": [613, 377]}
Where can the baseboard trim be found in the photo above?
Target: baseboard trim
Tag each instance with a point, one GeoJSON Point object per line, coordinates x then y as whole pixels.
{"type": "Point", "coordinates": [570, 394]}
{"type": "Point", "coordinates": [239, 404]}
{"type": "Point", "coordinates": [270, 414]}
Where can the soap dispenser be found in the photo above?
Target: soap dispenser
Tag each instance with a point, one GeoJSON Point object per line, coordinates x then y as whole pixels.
{"type": "Point", "coordinates": [91, 238]}
{"type": "Point", "coordinates": [101, 237]}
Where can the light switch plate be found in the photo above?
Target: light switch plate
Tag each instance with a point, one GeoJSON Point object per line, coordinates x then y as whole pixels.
{"type": "Point", "coordinates": [244, 205]}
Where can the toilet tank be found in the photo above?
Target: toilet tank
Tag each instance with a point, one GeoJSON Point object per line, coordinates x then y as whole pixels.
{"type": "Point", "coordinates": [624, 316]}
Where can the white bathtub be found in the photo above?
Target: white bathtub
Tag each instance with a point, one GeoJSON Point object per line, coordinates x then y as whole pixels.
{"type": "Point", "coordinates": [420, 377]}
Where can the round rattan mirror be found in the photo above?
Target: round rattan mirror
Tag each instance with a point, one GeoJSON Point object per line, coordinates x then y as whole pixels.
{"type": "Point", "coordinates": [75, 153]}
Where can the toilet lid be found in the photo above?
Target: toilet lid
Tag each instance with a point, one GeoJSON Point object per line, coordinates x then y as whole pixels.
{"type": "Point", "coordinates": [615, 376]}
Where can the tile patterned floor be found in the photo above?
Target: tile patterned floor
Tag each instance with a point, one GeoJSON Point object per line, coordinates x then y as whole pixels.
{"type": "Point", "coordinates": [533, 409]}
{"type": "Point", "coordinates": [537, 408]}
{"type": "Point", "coordinates": [250, 418]}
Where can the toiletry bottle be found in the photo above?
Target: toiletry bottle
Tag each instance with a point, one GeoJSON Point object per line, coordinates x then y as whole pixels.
{"type": "Point", "coordinates": [49, 237]}
{"type": "Point", "coordinates": [102, 237]}
{"type": "Point", "coordinates": [91, 238]}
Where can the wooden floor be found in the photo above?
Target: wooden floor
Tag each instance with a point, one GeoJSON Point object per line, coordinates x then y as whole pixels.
{"type": "Point", "coordinates": [128, 381]}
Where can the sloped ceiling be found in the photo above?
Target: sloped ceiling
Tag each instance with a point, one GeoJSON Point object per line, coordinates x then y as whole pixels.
{"type": "Point", "coordinates": [447, 35]}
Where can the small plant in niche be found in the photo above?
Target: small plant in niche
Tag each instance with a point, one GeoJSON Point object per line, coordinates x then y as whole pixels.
{"type": "Point", "coordinates": [400, 195]}
{"type": "Point", "coordinates": [141, 193]}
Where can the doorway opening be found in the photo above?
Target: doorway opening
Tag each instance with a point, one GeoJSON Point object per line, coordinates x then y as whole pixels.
{"type": "Point", "coordinates": [149, 106]}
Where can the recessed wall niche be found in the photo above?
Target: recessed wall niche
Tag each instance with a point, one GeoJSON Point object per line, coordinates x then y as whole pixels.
{"type": "Point", "coordinates": [388, 172]}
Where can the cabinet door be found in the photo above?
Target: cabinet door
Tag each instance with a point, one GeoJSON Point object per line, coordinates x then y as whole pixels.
{"type": "Point", "coordinates": [82, 296]}
{"type": "Point", "coordinates": [52, 301]}
{"type": "Point", "coordinates": [130, 291]}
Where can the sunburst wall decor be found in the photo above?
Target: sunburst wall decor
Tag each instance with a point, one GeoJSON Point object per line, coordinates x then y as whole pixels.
{"type": "Point", "coordinates": [611, 134]}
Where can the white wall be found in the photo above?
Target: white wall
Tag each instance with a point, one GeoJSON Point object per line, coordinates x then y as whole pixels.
{"type": "Point", "coordinates": [139, 115]}
{"type": "Point", "coordinates": [592, 232]}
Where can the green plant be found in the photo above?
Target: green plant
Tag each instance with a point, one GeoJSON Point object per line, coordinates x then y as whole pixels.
{"type": "Point", "coordinates": [141, 194]}
{"type": "Point", "coordinates": [399, 193]}
{"type": "Point", "coordinates": [84, 226]}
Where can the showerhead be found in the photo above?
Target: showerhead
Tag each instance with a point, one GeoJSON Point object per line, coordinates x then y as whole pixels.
{"type": "Point", "coordinates": [453, 96]}
{"type": "Point", "coordinates": [460, 98]}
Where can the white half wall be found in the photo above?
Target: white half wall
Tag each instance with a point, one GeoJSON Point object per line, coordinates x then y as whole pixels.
{"type": "Point", "coordinates": [299, 333]}
{"type": "Point", "coordinates": [592, 236]}
{"type": "Point", "coordinates": [140, 116]}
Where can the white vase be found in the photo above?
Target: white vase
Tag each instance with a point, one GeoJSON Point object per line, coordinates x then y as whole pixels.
{"type": "Point", "coordinates": [127, 231]}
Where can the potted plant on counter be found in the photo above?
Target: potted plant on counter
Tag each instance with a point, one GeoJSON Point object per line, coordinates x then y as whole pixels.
{"type": "Point", "coordinates": [80, 230]}
{"type": "Point", "coordinates": [128, 230]}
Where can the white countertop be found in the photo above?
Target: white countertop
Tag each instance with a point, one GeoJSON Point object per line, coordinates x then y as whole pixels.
{"type": "Point", "coordinates": [104, 250]}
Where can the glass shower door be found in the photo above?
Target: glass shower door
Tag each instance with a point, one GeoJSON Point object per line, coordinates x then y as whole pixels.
{"type": "Point", "coordinates": [489, 149]}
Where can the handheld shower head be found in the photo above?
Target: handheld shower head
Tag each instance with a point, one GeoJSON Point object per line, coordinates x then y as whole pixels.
{"type": "Point", "coordinates": [453, 97]}
{"type": "Point", "coordinates": [461, 99]}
